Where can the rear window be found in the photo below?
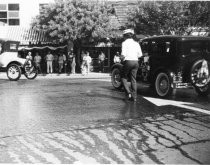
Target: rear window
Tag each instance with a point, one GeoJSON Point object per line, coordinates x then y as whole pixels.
{"type": "Point", "coordinates": [193, 47]}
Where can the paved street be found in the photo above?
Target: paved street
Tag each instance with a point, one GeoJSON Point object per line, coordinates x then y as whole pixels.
{"type": "Point", "coordinates": [82, 119]}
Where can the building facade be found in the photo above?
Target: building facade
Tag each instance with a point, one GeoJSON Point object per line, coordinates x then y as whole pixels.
{"type": "Point", "coordinates": [19, 12]}
{"type": "Point", "coordinates": [15, 20]}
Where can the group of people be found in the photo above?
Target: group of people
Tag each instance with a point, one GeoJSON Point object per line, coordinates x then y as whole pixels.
{"type": "Point", "coordinates": [130, 53]}
{"type": "Point", "coordinates": [87, 61]}
{"type": "Point", "coordinates": [56, 63]}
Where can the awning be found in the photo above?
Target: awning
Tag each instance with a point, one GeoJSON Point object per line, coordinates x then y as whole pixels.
{"type": "Point", "coordinates": [23, 35]}
{"type": "Point", "coordinates": [42, 47]}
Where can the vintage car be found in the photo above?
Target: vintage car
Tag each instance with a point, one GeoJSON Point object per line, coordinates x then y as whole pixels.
{"type": "Point", "coordinates": [14, 65]}
{"type": "Point", "coordinates": [171, 62]}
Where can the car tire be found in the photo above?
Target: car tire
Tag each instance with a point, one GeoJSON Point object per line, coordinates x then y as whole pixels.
{"type": "Point", "coordinates": [116, 78]}
{"type": "Point", "coordinates": [201, 89]}
{"type": "Point", "coordinates": [32, 75]}
{"type": "Point", "coordinates": [162, 85]}
{"type": "Point", "coordinates": [13, 72]}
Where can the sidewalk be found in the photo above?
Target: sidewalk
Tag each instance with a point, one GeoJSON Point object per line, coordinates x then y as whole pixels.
{"type": "Point", "coordinates": [92, 75]}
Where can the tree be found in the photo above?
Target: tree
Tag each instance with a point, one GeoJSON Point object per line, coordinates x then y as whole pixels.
{"type": "Point", "coordinates": [168, 17]}
{"type": "Point", "coordinates": [76, 20]}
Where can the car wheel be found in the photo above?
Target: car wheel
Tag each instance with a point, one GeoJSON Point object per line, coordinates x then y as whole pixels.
{"type": "Point", "coordinates": [163, 85]}
{"type": "Point", "coordinates": [200, 83]}
{"type": "Point", "coordinates": [13, 72]}
{"type": "Point", "coordinates": [32, 74]}
{"type": "Point", "coordinates": [116, 78]}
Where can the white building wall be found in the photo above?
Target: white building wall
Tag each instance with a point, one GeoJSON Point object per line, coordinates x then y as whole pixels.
{"type": "Point", "coordinates": [27, 9]}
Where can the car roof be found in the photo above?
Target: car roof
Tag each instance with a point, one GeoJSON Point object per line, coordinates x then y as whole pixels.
{"type": "Point", "coordinates": [176, 37]}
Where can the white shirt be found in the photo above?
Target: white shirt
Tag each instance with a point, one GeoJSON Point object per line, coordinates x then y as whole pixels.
{"type": "Point", "coordinates": [131, 50]}
{"type": "Point", "coordinates": [116, 59]}
{"type": "Point", "coordinates": [87, 59]}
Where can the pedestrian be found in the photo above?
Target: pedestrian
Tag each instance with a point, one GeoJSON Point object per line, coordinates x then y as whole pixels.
{"type": "Point", "coordinates": [49, 59]}
{"type": "Point", "coordinates": [37, 60]}
{"type": "Point", "coordinates": [55, 63]}
{"type": "Point", "coordinates": [29, 56]}
{"type": "Point", "coordinates": [60, 62]}
{"type": "Point", "coordinates": [101, 59]}
{"type": "Point", "coordinates": [82, 54]}
{"type": "Point", "coordinates": [131, 51]}
{"type": "Point", "coordinates": [88, 61]}
{"type": "Point", "coordinates": [73, 65]}
{"type": "Point", "coordinates": [83, 65]}
{"type": "Point", "coordinates": [69, 61]}
{"type": "Point", "coordinates": [117, 58]}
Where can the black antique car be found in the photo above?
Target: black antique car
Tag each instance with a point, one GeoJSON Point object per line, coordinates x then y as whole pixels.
{"type": "Point", "coordinates": [170, 62]}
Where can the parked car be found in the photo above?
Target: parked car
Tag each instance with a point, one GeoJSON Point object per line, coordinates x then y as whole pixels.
{"type": "Point", "coordinates": [14, 65]}
{"type": "Point", "coordinates": [170, 62]}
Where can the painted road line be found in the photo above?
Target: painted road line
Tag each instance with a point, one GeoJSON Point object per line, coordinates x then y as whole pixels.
{"type": "Point", "coordinates": [181, 104]}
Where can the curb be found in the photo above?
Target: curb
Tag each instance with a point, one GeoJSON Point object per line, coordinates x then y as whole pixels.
{"type": "Point", "coordinates": [65, 76]}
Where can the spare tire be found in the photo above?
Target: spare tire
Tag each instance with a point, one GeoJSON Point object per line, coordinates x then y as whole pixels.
{"type": "Point", "coordinates": [200, 77]}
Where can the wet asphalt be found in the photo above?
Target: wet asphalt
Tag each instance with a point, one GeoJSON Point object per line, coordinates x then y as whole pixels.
{"type": "Point", "coordinates": [84, 120]}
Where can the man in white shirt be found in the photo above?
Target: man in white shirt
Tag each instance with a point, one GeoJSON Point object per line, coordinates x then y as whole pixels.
{"type": "Point", "coordinates": [49, 59]}
{"type": "Point", "coordinates": [131, 51]}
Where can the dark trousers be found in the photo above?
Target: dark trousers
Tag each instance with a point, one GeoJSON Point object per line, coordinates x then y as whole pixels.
{"type": "Point", "coordinates": [69, 67]}
{"type": "Point", "coordinates": [129, 71]}
{"type": "Point", "coordinates": [101, 66]}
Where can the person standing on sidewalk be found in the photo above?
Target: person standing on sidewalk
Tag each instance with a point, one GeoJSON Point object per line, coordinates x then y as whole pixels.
{"type": "Point", "coordinates": [89, 60]}
{"type": "Point", "coordinates": [69, 61]}
{"type": "Point", "coordinates": [101, 59]}
{"type": "Point", "coordinates": [60, 62]}
{"type": "Point", "coordinates": [73, 65]}
{"type": "Point", "coordinates": [55, 63]}
{"type": "Point", "coordinates": [131, 51]}
{"type": "Point", "coordinates": [37, 60]}
{"type": "Point", "coordinates": [49, 59]}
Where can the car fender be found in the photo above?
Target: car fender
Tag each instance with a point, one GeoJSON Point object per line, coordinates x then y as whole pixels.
{"type": "Point", "coordinates": [7, 58]}
{"type": "Point", "coordinates": [117, 65]}
{"type": "Point", "coordinates": [162, 69]}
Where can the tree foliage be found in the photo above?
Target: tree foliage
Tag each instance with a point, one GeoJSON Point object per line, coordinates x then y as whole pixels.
{"type": "Point", "coordinates": [169, 17]}
{"type": "Point", "coordinates": [75, 20]}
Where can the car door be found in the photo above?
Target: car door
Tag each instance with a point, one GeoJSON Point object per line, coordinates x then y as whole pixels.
{"type": "Point", "coordinates": [162, 54]}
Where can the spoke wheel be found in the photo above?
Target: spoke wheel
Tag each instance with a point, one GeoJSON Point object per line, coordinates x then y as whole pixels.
{"type": "Point", "coordinates": [31, 73]}
{"type": "Point", "coordinates": [200, 82]}
{"type": "Point", "coordinates": [13, 72]}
